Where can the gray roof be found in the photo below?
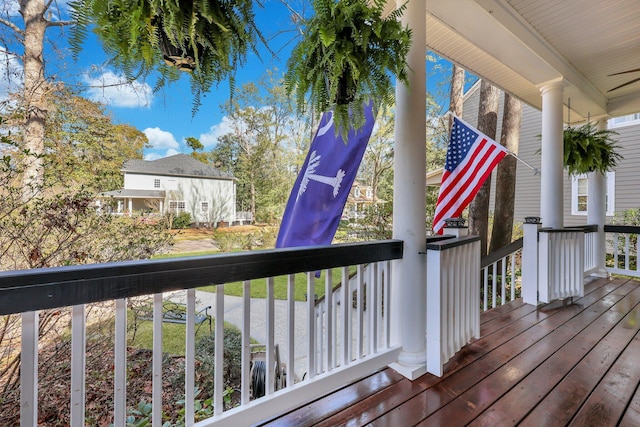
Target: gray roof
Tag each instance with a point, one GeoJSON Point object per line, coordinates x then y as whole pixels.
{"type": "Point", "coordinates": [135, 194]}
{"type": "Point", "coordinates": [177, 165]}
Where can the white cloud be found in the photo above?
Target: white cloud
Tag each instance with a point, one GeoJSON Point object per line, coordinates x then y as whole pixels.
{"type": "Point", "coordinates": [113, 89]}
{"type": "Point", "coordinates": [156, 155]}
{"type": "Point", "coordinates": [160, 139]}
{"type": "Point", "coordinates": [210, 138]}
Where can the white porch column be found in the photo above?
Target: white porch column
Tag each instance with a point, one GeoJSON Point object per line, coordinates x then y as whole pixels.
{"type": "Point", "coordinates": [530, 260]}
{"type": "Point", "coordinates": [409, 273]}
{"type": "Point", "coordinates": [130, 206]}
{"type": "Point", "coordinates": [551, 194]}
{"type": "Point", "coordinates": [597, 212]}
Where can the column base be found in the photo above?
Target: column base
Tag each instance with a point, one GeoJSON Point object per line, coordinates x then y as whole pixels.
{"type": "Point", "coordinates": [409, 372]}
{"type": "Point", "coordinates": [601, 273]}
{"type": "Point", "coordinates": [410, 365]}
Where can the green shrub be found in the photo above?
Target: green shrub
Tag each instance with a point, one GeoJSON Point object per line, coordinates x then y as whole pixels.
{"type": "Point", "coordinates": [225, 241]}
{"type": "Point", "coordinates": [205, 350]}
{"type": "Point", "coordinates": [182, 220]}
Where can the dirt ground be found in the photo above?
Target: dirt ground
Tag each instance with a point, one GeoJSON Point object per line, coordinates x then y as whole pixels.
{"type": "Point", "coordinates": [201, 239]}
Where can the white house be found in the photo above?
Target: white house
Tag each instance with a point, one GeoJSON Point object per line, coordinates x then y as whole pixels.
{"type": "Point", "coordinates": [360, 198]}
{"type": "Point", "coordinates": [175, 184]}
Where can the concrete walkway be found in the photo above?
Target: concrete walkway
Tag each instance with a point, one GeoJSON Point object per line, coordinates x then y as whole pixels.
{"type": "Point", "coordinates": [258, 322]}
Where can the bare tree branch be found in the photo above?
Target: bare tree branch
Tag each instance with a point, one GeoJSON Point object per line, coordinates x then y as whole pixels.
{"type": "Point", "coordinates": [60, 23]}
{"type": "Point", "coordinates": [12, 26]}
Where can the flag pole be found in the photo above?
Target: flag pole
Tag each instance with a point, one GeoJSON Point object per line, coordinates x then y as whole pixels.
{"type": "Point", "coordinates": [536, 171]}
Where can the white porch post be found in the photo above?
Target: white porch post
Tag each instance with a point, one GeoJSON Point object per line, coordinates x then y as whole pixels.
{"type": "Point", "coordinates": [130, 206]}
{"type": "Point", "coordinates": [551, 194]}
{"type": "Point", "coordinates": [409, 273]}
{"type": "Point", "coordinates": [530, 260]}
{"type": "Point", "coordinates": [597, 212]}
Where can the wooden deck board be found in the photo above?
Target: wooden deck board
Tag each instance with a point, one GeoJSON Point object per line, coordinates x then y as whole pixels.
{"type": "Point", "coordinates": [545, 377]}
{"type": "Point", "coordinates": [556, 364]}
{"type": "Point", "coordinates": [316, 411]}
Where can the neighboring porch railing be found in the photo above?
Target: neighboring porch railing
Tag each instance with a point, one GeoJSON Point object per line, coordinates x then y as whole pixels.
{"type": "Point", "coordinates": [500, 275]}
{"type": "Point", "coordinates": [342, 345]}
{"type": "Point", "coordinates": [622, 249]}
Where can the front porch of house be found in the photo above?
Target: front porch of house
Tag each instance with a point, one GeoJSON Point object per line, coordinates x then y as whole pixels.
{"type": "Point", "coordinates": [413, 305]}
{"type": "Point", "coordinates": [126, 201]}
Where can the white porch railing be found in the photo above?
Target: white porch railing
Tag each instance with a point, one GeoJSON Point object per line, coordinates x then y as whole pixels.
{"type": "Point", "coordinates": [556, 261]}
{"type": "Point", "coordinates": [243, 218]}
{"type": "Point", "coordinates": [561, 270]}
{"type": "Point", "coordinates": [349, 304]}
{"type": "Point", "coordinates": [501, 276]}
{"type": "Point", "coordinates": [590, 253]}
{"type": "Point", "coordinates": [622, 249]}
{"type": "Point", "coordinates": [453, 298]}
{"type": "Point", "coordinates": [342, 344]}
{"type": "Point", "coordinates": [347, 334]}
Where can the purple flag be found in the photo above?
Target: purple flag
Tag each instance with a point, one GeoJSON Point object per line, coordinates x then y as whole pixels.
{"type": "Point", "coordinates": [320, 192]}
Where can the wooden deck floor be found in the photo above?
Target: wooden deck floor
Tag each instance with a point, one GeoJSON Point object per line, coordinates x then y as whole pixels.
{"type": "Point", "coordinates": [556, 365]}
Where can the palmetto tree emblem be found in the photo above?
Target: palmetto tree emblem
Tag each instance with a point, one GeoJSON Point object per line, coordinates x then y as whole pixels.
{"type": "Point", "coordinates": [309, 174]}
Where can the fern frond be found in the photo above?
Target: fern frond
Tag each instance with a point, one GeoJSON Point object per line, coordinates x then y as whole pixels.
{"type": "Point", "coordinates": [348, 55]}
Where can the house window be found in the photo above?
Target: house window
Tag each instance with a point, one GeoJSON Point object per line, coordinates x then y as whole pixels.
{"type": "Point", "coordinates": [580, 194]}
{"type": "Point", "coordinates": [177, 206]}
{"type": "Point", "coordinates": [156, 183]}
{"type": "Point", "coordinates": [369, 193]}
{"type": "Point", "coordinates": [357, 192]}
{"type": "Point", "coordinates": [631, 119]}
{"type": "Point", "coordinates": [204, 207]}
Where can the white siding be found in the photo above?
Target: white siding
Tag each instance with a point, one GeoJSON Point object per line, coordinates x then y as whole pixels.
{"type": "Point", "coordinates": [139, 181]}
{"type": "Point", "coordinates": [218, 193]}
{"type": "Point", "coordinates": [627, 191]}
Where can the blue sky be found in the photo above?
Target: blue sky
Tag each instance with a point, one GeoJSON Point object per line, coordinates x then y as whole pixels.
{"type": "Point", "coordinates": [166, 117]}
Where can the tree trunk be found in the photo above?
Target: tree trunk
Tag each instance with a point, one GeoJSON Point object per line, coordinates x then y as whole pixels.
{"type": "Point", "coordinates": [252, 189]}
{"type": "Point", "coordinates": [456, 93]}
{"type": "Point", "coordinates": [487, 123]}
{"type": "Point", "coordinates": [502, 232]}
{"type": "Point", "coordinates": [35, 89]}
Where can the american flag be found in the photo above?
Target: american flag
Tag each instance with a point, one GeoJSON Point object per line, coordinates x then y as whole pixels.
{"type": "Point", "coordinates": [471, 157]}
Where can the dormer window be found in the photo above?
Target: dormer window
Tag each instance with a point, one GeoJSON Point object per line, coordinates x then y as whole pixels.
{"type": "Point", "coordinates": [369, 193]}
{"type": "Point", "coordinates": [357, 192]}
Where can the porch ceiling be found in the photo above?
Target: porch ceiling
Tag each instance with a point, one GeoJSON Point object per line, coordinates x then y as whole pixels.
{"type": "Point", "coordinates": [521, 44]}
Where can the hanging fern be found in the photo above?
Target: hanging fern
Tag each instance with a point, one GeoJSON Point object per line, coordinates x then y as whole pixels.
{"type": "Point", "coordinates": [208, 38]}
{"type": "Point", "coordinates": [587, 149]}
{"type": "Point", "coordinates": [346, 57]}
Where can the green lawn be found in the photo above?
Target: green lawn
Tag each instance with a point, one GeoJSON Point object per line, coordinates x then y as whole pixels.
{"type": "Point", "coordinates": [173, 335]}
{"type": "Point", "coordinates": [259, 286]}
{"type": "Point", "coordinates": [184, 254]}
